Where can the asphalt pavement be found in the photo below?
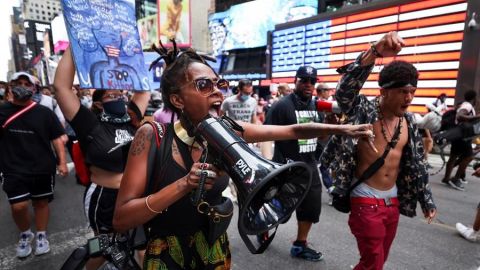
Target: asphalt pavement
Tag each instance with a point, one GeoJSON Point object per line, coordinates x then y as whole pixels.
{"type": "Point", "coordinates": [418, 245]}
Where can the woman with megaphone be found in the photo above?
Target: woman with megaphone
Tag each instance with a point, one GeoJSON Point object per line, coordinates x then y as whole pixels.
{"type": "Point", "coordinates": [178, 232]}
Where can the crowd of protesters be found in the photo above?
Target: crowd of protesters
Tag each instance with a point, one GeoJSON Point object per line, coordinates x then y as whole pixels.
{"type": "Point", "coordinates": [44, 120]}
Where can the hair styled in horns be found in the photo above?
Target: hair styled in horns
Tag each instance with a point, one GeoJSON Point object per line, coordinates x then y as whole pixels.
{"type": "Point", "coordinates": [175, 72]}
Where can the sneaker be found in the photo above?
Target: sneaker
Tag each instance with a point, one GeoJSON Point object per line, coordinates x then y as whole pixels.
{"type": "Point", "coordinates": [306, 253]}
{"type": "Point", "coordinates": [24, 248]}
{"type": "Point", "coordinates": [42, 245]}
{"type": "Point", "coordinates": [456, 184]}
{"type": "Point", "coordinates": [330, 199]}
{"type": "Point", "coordinates": [467, 232]}
{"type": "Point", "coordinates": [463, 181]}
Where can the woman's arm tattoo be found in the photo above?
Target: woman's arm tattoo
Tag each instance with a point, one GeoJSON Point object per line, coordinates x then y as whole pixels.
{"type": "Point", "coordinates": [138, 145]}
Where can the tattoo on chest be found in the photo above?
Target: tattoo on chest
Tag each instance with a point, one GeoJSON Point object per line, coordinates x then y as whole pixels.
{"type": "Point", "coordinates": [138, 145]}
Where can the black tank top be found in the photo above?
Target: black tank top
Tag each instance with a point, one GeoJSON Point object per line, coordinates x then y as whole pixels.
{"type": "Point", "coordinates": [182, 217]}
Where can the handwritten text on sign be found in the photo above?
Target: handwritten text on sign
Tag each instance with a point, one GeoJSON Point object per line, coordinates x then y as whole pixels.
{"type": "Point", "coordinates": [105, 44]}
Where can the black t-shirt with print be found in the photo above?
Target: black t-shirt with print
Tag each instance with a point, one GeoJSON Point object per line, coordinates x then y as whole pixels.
{"type": "Point", "coordinates": [98, 138]}
{"type": "Point", "coordinates": [291, 110]}
{"type": "Point", "coordinates": [25, 144]}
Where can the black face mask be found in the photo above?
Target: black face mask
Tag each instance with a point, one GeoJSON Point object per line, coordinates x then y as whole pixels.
{"type": "Point", "coordinates": [115, 108]}
{"type": "Point", "coordinates": [22, 93]}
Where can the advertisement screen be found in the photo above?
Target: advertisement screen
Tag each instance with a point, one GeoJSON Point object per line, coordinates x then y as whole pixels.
{"type": "Point", "coordinates": [432, 30]}
{"type": "Point", "coordinates": [174, 22]}
{"type": "Point", "coordinates": [147, 29]}
{"type": "Point", "coordinates": [246, 25]}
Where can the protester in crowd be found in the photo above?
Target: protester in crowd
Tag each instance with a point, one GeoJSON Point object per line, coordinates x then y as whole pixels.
{"type": "Point", "coordinates": [46, 90]}
{"type": "Point", "coordinates": [3, 92]}
{"type": "Point", "coordinates": [190, 88]}
{"type": "Point", "coordinates": [461, 151]}
{"type": "Point", "coordinates": [27, 162]}
{"type": "Point", "coordinates": [471, 233]}
{"type": "Point", "coordinates": [165, 115]}
{"type": "Point", "coordinates": [261, 110]}
{"type": "Point", "coordinates": [273, 97]}
{"type": "Point", "coordinates": [284, 89]}
{"type": "Point", "coordinates": [155, 103]}
{"type": "Point", "coordinates": [397, 185]}
{"type": "Point", "coordinates": [299, 107]}
{"type": "Point", "coordinates": [242, 106]}
{"type": "Point", "coordinates": [324, 93]}
{"type": "Point", "coordinates": [85, 96]}
{"type": "Point", "coordinates": [104, 139]}
{"type": "Point", "coordinates": [439, 105]}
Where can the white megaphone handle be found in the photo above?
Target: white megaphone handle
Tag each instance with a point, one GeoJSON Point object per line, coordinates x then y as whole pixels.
{"type": "Point", "coordinates": [327, 106]}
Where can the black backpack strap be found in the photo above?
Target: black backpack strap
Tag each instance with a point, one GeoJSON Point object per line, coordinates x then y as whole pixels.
{"type": "Point", "coordinates": [155, 154]}
{"type": "Point", "coordinates": [377, 164]}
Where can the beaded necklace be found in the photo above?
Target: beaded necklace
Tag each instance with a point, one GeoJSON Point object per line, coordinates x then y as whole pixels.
{"type": "Point", "coordinates": [382, 124]}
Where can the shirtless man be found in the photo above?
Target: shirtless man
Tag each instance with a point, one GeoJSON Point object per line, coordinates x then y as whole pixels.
{"type": "Point", "coordinates": [403, 180]}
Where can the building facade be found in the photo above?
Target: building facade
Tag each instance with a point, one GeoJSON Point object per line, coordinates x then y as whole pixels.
{"type": "Point", "coordinates": [41, 10]}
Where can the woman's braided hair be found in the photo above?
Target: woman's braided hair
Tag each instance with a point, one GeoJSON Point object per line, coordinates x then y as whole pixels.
{"type": "Point", "coordinates": [175, 72]}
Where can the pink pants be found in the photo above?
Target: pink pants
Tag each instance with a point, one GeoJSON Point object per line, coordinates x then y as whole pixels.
{"type": "Point", "coordinates": [374, 227]}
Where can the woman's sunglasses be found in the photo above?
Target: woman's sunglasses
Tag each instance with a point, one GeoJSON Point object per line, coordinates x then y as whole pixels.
{"type": "Point", "coordinates": [205, 86]}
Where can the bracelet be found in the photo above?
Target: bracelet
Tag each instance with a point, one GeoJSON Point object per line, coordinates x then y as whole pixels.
{"type": "Point", "coordinates": [374, 50]}
{"type": "Point", "coordinates": [148, 206]}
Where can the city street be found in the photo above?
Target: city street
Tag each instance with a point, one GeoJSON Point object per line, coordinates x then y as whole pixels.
{"type": "Point", "coordinates": [417, 245]}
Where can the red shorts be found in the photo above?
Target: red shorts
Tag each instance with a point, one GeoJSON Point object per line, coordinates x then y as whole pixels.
{"type": "Point", "coordinates": [374, 225]}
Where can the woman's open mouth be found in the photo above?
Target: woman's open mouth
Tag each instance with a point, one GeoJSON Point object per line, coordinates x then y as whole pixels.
{"type": "Point", "coordinates": [215, 109]}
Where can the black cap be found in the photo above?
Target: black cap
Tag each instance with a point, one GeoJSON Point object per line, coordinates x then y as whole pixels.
{"type": "Point", "coordinates": [306, 72]}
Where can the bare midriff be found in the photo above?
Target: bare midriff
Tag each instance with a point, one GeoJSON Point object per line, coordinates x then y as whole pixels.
{"type": "Point", "coordinates": [105, 178]}
{"type": "Point", "coordinates": [386, 176]}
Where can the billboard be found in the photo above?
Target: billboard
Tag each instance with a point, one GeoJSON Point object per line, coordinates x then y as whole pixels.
{"type": "Point", "coordinates": [246, 25]}
{"type": "Point", "coordinates": [432, 30]}
{"type": "Point", "coordinates": [105, 44]}
{"type": "Point", "coordinates": [147, 29]}
{"type": "Point", "coordinates": [174, 22]}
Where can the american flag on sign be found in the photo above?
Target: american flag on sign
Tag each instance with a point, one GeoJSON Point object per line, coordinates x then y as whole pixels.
{"type": "Point", "coordinates": [112, 51]}
{"type": "Point", "coordinates": [432, 30]}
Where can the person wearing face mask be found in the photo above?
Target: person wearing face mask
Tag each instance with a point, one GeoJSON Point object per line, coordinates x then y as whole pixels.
{"type": "Point", "coordinates": [104, 139]}
{"type": "Point", "coordinates": [242, 106]}
{"type": "Point", "coordinates": [3, 92]}
{"type": "Point", "coordinates": [27, 162]}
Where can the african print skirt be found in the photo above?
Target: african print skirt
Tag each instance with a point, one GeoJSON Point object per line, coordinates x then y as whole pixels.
{"type": "Point", "coordinates": [187, 252]}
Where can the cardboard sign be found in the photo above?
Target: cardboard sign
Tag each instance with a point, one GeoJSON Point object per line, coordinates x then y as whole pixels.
{"type": "Point", "coordinates": [105, 44]}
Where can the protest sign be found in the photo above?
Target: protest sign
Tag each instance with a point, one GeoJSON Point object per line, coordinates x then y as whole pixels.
{"type": "Point", "coordinates": [105, 43]}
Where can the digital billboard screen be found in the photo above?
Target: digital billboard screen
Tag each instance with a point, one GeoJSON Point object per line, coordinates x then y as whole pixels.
{"type": "Point", "coordinates": [174, 22]}
{"type": "Point", "coordinates": [432, 30]}
{"type": "Point", "coordinates": [246, 25]}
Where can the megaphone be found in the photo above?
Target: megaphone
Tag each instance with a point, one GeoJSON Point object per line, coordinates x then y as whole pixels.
{"type": "Point", "coordinates": [327, 106]}
{"type": "Point", "coordinates": [268, 192]}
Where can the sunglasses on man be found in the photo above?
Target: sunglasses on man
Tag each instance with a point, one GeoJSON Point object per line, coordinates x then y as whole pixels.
{"type": "Point", "coordinates": [312, 81]}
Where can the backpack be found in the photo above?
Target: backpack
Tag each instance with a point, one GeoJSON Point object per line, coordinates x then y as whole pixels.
{"type": "Point", "coordinates": [448, 119]}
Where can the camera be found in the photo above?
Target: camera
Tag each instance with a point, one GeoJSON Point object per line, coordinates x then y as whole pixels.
{"type": "Point", "coordinates": [117, 249]}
